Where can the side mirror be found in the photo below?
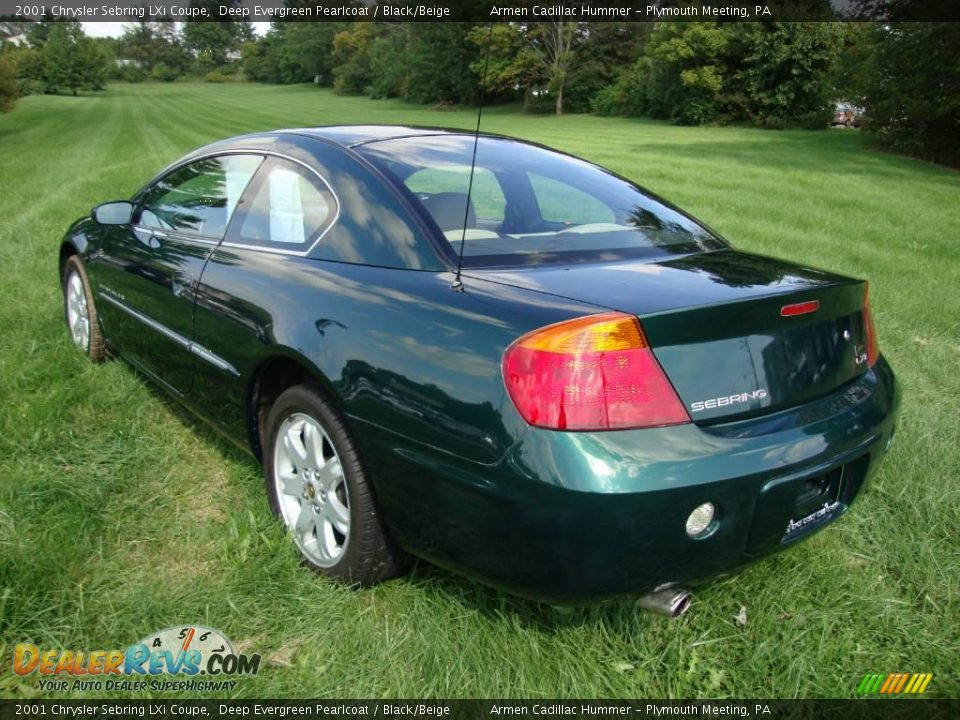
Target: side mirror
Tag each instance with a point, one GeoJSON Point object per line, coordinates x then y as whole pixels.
{"type": "Point", "coordinates": [113, 213]}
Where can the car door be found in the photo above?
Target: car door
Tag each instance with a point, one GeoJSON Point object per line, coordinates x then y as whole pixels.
{"type": "Point", "coordinates": [261, 266]}
{"type": "Point", "coordinates": [151, 267]}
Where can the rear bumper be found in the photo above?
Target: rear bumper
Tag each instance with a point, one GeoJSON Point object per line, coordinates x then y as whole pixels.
{"type": "Point", "coordinates": [568, 516]}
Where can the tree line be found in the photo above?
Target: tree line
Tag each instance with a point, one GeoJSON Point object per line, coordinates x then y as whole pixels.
{"type": "Point", "coordinates": [904, 75]}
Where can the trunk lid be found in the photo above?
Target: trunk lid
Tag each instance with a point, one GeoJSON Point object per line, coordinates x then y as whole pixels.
{"type": "Point", "coordinates": [715, 323]}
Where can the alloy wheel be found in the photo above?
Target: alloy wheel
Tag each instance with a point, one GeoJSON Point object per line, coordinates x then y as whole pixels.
{"type": "Point", "coordinates": [311, 489]}
{"type": "Point", "coordinates": [78, 314]}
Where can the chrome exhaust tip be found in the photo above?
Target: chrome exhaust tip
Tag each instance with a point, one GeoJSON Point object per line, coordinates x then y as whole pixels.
{"type": "Point", "coordinates": [670, 602]}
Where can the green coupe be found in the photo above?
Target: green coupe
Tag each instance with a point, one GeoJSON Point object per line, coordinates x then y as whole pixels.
{"type": "Point", "coordinates": [488, 354]}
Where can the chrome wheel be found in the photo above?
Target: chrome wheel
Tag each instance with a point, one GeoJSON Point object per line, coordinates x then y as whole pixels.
{"type": "Point", "coordinates": [78, 314]}
{"type": "Point", "coordinates": [311, 489]}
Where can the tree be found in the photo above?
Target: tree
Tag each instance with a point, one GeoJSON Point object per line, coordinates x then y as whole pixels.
{"type": "Point", "coordinates": [62, 63]}
{"type": "Point", "coordinates": [769, 74]}
{"type": "Point", "coordinates": [71, 60]}
{"type": "Point", "coordinates": [259, 60]}
{"type": "Point", "coordinates": [553, 45]}
{"type": "Point", "coordinates": [438, 63]}
{"type": "Point", "coordinates": [605, 49]}
{"type": "Point", "coordinates": [527, 57]}
{"type": "Point", "coordinates": [684, 70]}
{"type": "Point", "coordinates": [352, 57]}
{"type": "Point", "coordinates": [213, 43]}
{"type": "Point", "coordinates": [28, 66]}
{"type": "Point", "coordinates": [294, 52]}
{"type": "Point", "coordinates": [503, 61]}
{"type": "Point", "coordinates": [554, 59]}
{"type": "Point", "coordinates": [421, 62]}
{"type": "Point", "coordinates": [907, 76]}
{"type": "Point", "coordinates": [96, 61]}
{"type": "Point", "coordinates": [147, 44]}
{"type": "Point", "coordinates": [388, 71]}
{"type": "Point", "coordinates": [786, 73]}
{"type": "Point", "coordinates": [9, 88]}
{"type": "Point", "coordinates": [39, 31]}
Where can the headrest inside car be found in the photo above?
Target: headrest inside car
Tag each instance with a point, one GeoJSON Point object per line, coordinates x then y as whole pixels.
{"type": "Point", "coordinates": [447, 208]}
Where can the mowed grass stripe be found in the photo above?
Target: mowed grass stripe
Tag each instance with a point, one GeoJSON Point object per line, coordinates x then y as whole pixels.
{"type": "Point", "coordinates": [119, 514]}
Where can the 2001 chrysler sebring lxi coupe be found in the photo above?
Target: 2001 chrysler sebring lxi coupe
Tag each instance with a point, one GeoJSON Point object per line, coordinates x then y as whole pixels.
{"type": "Point", "coordinates": [609, 399]}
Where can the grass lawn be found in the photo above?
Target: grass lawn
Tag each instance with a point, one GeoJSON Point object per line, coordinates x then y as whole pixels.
{"type": "Point", "coordinates": [120, 515]}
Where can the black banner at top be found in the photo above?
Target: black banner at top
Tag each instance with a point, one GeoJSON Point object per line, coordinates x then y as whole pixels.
{"type": "Point", "coordinates": [480, 10]}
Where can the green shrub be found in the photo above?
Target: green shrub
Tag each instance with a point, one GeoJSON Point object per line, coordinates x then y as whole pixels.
{"type": "Point", "coordinates": [132, 74]}
{"type": "Point", "coordinates": [215, 76]}
{"type": "Point", "coordinates": [9, 87]}
{"type": "Point", "coordinates": [164, 73]}
{"type": "Point", "coordinates": [772, 75]}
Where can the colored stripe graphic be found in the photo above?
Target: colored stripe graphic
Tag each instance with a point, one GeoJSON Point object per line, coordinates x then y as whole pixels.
{"type": "Point", "coordinates": [894, 683]}
{"type": "Point", "coordinates": [901, 681]}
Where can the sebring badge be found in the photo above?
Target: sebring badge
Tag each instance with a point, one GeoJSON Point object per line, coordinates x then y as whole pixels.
{"type": "Point", "coordinates": [720, 402]}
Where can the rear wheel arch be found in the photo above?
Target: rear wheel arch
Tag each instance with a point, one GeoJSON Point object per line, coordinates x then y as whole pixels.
{"type": "Point", "coordinates": [272, 377]}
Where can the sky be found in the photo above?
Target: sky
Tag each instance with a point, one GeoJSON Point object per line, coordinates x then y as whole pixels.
{"type": "Point", "coordinates": [103, 29]}
{"type": "Point", "coordinates": [115, 29]}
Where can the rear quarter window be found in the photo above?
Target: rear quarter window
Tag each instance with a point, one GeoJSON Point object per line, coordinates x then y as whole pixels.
{"type": "Point", "coordinates": [288, 207]}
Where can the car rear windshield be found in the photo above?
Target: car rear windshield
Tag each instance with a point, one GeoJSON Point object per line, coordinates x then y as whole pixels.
{"type": "Point", "coordinates": [532, 205]}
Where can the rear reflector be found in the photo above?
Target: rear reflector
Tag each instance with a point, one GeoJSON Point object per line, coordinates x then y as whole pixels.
{"type": "Point", "coordinates": [800, 308]}
{"type": "Point", "coordinates": [591, 373]}
{"type": "Point", "coordinates": [873, 349]}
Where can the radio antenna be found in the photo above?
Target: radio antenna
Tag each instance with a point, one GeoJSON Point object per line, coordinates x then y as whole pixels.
{"type": "Point", "coordinates": [457, 282]}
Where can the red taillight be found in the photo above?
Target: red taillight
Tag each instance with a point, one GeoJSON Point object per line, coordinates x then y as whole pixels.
{"type": "Point", "coordinates": [873, 349]}
{"type": "Point", "coordinates": [591, 373]}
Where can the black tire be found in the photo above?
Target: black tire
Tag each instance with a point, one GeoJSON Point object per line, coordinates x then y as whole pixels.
{"type": "Point", "coordinates": [368, 555]}
{"type": "Point", "coordinates": [95, 346]}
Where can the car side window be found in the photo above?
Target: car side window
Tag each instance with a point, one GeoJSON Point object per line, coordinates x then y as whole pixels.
{"type": "Point", "coordinates": [288, 208]}
{"type": "Point", "coordinates": [564, 204]}
{"type": "Point", "coordinates": [199, 198]}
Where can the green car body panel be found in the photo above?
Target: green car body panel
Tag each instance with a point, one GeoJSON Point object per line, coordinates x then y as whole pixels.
{"type": "Point", "coordinates": [415, 366]}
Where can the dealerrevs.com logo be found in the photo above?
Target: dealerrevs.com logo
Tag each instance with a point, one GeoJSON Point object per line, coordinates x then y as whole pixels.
{"type": "Point", "coordinates": [189, 650]}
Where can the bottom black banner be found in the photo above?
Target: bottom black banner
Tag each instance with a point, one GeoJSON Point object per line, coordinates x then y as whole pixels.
{"type": "Point", "coordinates": [874, 709]}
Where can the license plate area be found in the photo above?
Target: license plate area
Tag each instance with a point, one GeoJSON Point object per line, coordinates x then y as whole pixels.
{"type": "Point", "coordinates": [793, 507]}
{"type": "Point", "coordinates": [818, 491]}
{"type": "Point", "coordinates": [817, 503]}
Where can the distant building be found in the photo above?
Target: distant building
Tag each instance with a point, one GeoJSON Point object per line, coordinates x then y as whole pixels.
{"type": "Point", "coordinates": [17, 40]}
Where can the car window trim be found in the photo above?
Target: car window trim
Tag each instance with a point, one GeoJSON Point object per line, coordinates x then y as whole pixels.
{"type": "Point", "coordinates": [138, 198]}
{"type": "Point", "coordinates": [164, 234]}
{"type": "Point", "coordinates": [255, 182]}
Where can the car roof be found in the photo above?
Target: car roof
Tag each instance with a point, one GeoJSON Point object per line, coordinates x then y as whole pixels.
{"type": "Point", "coordinates": [353, 135]}
{"type": "Point", "coordinates": [345, 136]}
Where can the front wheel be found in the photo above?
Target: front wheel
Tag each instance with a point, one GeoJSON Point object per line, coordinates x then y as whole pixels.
{"type": "Point", "coordinates": [79, 311]}
{"type": "Point", "coordinates": [318, 487]}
